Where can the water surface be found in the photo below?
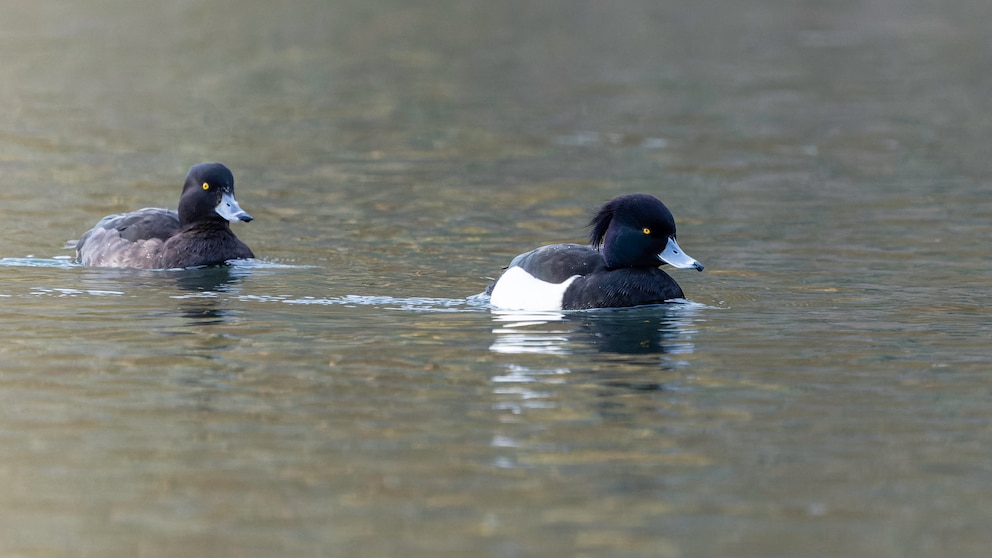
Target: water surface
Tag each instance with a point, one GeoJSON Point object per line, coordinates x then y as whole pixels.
{"type": "Point", "coordinates": [823, 392]}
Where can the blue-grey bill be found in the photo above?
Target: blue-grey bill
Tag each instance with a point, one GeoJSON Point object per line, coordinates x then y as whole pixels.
{"type": "Point", "coordinates": [229, 209]}
{"type": "Point", "coordinates": [675, 257]}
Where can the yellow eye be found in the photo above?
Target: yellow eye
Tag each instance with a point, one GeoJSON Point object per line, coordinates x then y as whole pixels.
{"type": "Point", "coordinates": [646, 230]}
{"type": "Point", "coordinates": [206, 186]}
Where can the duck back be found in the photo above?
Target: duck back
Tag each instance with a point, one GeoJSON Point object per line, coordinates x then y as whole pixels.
{"type": "Point", "coordinates": [131, 239]}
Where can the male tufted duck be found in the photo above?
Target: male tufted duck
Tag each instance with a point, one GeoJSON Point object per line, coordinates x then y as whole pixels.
{"type": "Point", "coordinates": [197, 235]}
{"type": "Point", "coordinates": [631, 236]}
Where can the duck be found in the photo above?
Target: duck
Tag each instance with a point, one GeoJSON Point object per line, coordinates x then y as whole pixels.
{"type": "Point", "coordinates": [630, 237]}
{"type": "Point", "coordinates": [198, 234]}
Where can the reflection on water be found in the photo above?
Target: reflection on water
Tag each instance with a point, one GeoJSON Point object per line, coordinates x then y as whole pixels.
{"type": "Point", "coordinates": [627, 350]}
{"type": "Point", "coordinates": [202, 305]}
{"type": "Point", "coordinates": [211, 279]}
{"type": "Point", "coordinates": [664, 329]}
{"type": "Point", "coordinates": [613, 374]}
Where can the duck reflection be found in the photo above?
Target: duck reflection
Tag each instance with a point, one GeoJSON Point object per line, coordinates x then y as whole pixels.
{"type": "Point", "coordinates": [613, 368]}
{"type": "Point", "coordinates": [659, 329]}
{"type": "Point", "coordinates": [213, 279]}
{"type": "Point", "coordinates": [202, 303]}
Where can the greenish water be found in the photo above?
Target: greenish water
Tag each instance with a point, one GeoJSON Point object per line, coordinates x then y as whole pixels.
{"type": "Point", "coordinates": [824, 392]}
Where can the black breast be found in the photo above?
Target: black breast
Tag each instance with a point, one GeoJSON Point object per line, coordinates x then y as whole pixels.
{"type": "Point", "coordinates": [208, 244]}
{"type": "Point", "coordinates": [634, 286]}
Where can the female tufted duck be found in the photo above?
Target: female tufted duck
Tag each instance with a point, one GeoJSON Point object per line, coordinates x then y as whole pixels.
{"type": "Point", "coordinates": [631, 236]}
{"type": "Point", "coordinates": [152, 238]}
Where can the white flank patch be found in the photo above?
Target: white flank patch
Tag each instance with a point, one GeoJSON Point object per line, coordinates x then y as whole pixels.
{"type": "Point", "coordinates": [519, 290]}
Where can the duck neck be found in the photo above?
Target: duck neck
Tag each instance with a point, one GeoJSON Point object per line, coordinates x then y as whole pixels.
{"type": "Point", "coordinates": [209, 225]}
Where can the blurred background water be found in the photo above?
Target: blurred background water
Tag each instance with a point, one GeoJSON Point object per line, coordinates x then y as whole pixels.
{"type": "Point", "coordinates": [824, 392]}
